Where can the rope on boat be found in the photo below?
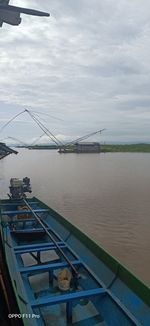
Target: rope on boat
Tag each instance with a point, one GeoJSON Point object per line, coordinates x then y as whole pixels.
{"type": "Point", "coordinates": [74, 271]}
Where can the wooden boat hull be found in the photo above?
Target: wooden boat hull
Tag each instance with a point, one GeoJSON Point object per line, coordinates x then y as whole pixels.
{"type": "Point", "coordinates": [104, 294]}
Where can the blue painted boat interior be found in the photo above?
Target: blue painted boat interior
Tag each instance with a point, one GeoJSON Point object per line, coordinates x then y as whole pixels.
{"type": "Point", "coordinates": [96, 297]}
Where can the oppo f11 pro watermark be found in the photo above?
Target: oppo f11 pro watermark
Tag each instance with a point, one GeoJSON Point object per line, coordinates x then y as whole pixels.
{"type": "Point", "coordinates": [23, 316]}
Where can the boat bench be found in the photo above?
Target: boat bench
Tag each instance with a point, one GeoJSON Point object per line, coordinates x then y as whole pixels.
{"type": "Point", "coordinates": [18, 212]}
{"type": "Point", "coordinates": [67, 298]}
{"type": "Point", "coordinates": [35, 248]}
{"type": "Point", "coordinates": [57, 299]}
{"type": "Point", "coordinates": [47, 267]}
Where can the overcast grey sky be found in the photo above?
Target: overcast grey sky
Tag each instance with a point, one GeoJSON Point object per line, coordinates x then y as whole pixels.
{"type": "Point", "coordinates": [88, 64]}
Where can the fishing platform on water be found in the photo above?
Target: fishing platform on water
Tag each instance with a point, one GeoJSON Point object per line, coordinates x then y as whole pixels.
{"type": "Point", "coordinates": [88, 147]}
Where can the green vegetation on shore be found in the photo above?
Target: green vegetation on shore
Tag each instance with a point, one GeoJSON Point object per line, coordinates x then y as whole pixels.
{"type": "Point", "coordinates": [108, 148]}
{"type": "Point", "coordinates": [132, 148]}
{"type": "Point", "coordinates": [43, 147]}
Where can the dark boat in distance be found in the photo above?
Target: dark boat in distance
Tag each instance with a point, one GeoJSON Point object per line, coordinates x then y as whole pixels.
{"type": "Point", "coordinates": [60, 276]}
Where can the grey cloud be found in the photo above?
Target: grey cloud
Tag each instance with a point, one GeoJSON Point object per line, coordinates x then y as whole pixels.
{"type": "Point", "coordinates": [88, 62]}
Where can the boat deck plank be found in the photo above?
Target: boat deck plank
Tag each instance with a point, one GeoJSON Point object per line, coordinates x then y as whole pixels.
{"type": "Point", "coordinates": [47, 267]}
{"type": "Point", "coordinates": [37, 245]}
{"type": "Point", "coordinates": [18, 212]}
{"type": "Point", "coordinates": [57, 299]}
{"type": "Point", "coordinates": [52, 247]}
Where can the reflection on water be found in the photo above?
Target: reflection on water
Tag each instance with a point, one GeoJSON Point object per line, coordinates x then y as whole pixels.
{"type": "Point", "coordinates": [105, 195]}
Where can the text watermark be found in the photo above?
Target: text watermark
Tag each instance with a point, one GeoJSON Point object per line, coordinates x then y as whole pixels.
{"type": "Point", "coordinates": [23, 316]}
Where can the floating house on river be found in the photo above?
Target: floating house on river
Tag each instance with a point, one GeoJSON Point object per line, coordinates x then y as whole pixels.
{"type": "Point", "coordinates": [86, 147]}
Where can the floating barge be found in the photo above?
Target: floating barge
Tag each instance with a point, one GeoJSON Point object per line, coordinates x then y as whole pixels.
{"type": "Point", "coordinates": [60, 276]}
{"type": "Point", "coordinates": [88, 147]}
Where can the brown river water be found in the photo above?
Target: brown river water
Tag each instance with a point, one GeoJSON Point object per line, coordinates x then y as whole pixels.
{"type": "Point", "coordinates": [106, 195]}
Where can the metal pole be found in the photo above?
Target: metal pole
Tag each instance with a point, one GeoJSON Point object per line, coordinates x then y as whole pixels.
{"type": "Point", "coordinates": [74, 271]}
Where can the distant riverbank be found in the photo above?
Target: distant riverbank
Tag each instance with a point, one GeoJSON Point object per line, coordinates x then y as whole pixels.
{"type": "Point", "coordinates": [109, 148]}
{"type": "Point", "coordinates": [132, 148]}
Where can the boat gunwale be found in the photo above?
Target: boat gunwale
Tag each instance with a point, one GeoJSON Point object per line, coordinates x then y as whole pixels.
{"type": "Point", "coordinates": [132, 281]}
